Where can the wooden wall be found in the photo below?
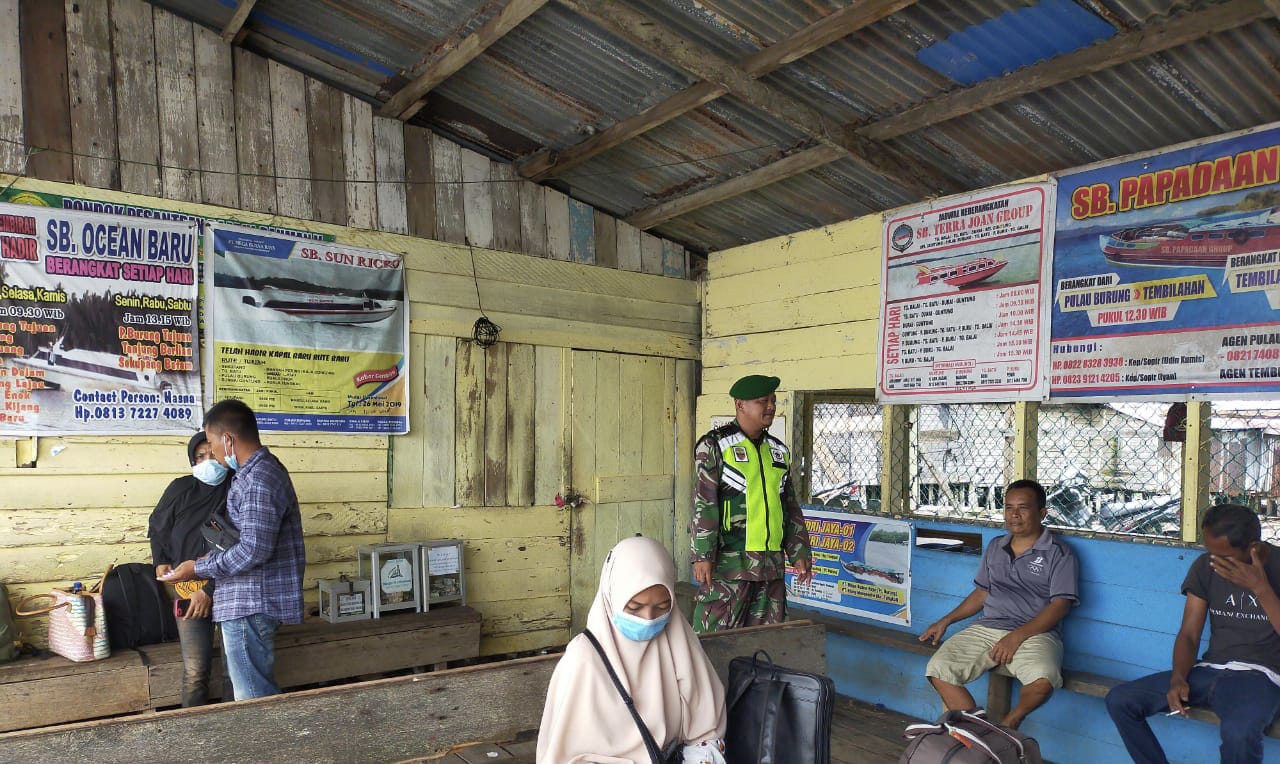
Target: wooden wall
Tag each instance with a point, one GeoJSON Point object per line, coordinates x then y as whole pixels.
{"type": "Point", "coordinates": [589, 392]}
{"type": "Point", "coordinates": [134, 105]}
{"type": "Point", "coordinates": [118, 94]}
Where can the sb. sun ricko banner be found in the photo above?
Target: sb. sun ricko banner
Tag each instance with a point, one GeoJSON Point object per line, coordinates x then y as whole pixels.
{"type": "Point", "coordinates": [97, 324]}
{"type": "Point", "coordinates": [1167, 273]}
{"type": "Point", "coordinates": [312, 335]}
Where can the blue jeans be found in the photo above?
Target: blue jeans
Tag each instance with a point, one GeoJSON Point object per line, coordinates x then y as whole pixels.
{"type": "Point", "coordinates": [249, 645]}
{"type": "Point", "coordinates": [196, 636]}
{"type": "Point", "coordinates": [1245, 702]}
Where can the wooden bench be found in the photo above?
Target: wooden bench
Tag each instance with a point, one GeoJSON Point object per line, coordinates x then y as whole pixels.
{"type": "Point", "coordinates": [36, 692]}
{"type": "Point", "coordinates": [385, 720]}
{"type": "Point", "coordinates": [999, 681]}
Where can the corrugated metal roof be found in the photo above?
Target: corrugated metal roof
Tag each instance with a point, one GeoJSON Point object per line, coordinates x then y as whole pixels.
{"type": "Point", "coordinates": [559, 77]}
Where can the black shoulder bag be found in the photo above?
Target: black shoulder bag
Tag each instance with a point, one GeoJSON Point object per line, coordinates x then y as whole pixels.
{"type": "Point", "coordinates": [674, 754]}
{"type": "Point", "coordinates": [219, 532]}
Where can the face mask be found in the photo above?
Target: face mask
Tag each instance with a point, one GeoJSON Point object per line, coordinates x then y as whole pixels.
{"type": "Point", "coordinates": [209, 472]}
{"type": "Point", "coordinates": [228, 446]}
{"type": "Point", "coordinates": [638, 629]}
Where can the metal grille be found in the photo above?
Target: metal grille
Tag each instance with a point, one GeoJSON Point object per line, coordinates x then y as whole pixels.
{"type": "Point", "coordinates": [845, 458]}
{"type": "Point", "coordinates": [1107, 467]}
{"type": "Point", "coordinates": [1244, 438]}
{"type": "Point", "coordinates": [962, 456]}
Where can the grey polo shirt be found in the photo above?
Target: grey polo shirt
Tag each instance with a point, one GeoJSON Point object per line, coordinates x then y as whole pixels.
{"type": "Point", "coordinates": [1018, 588]}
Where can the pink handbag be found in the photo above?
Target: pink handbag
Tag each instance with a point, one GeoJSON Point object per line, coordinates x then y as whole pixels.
{"type": "Point", "coordinates": [77, 622]}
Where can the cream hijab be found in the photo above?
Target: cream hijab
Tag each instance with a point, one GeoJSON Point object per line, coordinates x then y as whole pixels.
{"type": "Point", "coordinates": [674, 686]}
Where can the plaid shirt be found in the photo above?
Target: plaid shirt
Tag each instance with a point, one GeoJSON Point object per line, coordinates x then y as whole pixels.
{"type": "Point", "coordinates": [263, 572]}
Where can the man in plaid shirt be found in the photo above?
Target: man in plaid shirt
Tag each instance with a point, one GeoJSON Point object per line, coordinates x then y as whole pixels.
{"type": "Point", "coordinates": [259, 577]}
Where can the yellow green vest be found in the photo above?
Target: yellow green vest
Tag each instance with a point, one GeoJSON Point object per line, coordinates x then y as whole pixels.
{"type": "Point", "coordinates": [752, 515]}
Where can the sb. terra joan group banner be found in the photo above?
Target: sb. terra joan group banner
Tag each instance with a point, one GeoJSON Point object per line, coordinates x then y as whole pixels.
{"type": "Point", "coordinates": [312, 335]}
{"type": "Point", "coordinates": [962, 314]}
{"type": "Point", "coordinates": [861, 566]}
{"type": "Point", "coordinates": [1167, 273]}
{"type": "Point", "coordinates": [97, 324]}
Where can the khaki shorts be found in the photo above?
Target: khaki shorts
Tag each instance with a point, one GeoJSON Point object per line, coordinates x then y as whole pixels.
{"type": "Point", "coordinates": [967, 655]}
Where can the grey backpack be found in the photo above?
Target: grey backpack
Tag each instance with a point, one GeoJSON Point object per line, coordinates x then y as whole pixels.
{"type": "Point", "coordinates": [968, 737]}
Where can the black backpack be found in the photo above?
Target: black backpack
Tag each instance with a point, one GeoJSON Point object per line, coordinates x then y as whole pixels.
{"type": "Point", "coordinates": [8, 629]}
{"type": "Point", "coordinates": [137, 607]}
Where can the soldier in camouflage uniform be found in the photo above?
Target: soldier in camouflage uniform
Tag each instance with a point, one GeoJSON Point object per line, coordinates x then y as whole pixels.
{"type": "Point", "coordinates": [746, 522]}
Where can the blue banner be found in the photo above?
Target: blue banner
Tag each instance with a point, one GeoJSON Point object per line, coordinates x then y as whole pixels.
{"type": "Point", "coordinates": [1167, 273]}
{"type": "Point", "coordinates": [861, 566]}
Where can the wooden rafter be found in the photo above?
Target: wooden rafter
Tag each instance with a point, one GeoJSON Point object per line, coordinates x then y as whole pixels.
{"type": "Point", "coordinates": [794, 164]}
{"type": "Point", "coordinates": [409, 100]}
{"type": "Point", "coordinates": [1104, 55]}
{"type": "Point", "coordinates": [646, 34]}
{"type": "Point", "coordinates": [236, 23]}
{"type": "Point", "coordinates": [1120, 49]}
{"type": "Point", "coordinates": [547, 163]}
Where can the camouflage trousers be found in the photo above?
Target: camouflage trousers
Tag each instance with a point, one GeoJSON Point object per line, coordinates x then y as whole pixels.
{"type": "Point", "coordinates": [730, 604]}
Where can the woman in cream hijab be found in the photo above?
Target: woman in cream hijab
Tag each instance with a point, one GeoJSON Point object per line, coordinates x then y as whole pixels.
{"type": "Point", "coordinates": [657, 659]}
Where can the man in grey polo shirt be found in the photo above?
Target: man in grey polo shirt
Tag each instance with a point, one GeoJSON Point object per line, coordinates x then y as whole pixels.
{"type": "Point", "coordinates": [1025, 585]}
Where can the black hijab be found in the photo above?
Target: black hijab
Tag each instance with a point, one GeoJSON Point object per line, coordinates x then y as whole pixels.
{"type": "Point", "coordinates": [174, 527]}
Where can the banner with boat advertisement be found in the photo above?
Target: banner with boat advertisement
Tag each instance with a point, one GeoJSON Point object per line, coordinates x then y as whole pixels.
{"type": "Point", "coordinates": [1167, 273]}
{"type": "Point", "coordinates": [962, 317]}
{"type": "Point", "coordinates": [97, 324]}
{"type": "Point", "coordinates": [314, 336]}
{"type": "Point", "coordinates": [861, 566]}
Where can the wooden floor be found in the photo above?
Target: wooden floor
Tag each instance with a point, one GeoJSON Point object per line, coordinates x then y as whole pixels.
{"type": "Point", "coordinates": [860, 734]}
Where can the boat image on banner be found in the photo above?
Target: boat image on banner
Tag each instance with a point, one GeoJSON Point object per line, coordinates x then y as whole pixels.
{"type": "Point", "coordinates": [58, 367]}
{"type": "Point", "coordinates": [962, 274]}
{"type": "Point", "coordinates": [324, 308]}
{"type": "Point", "coordinates": [1198, 243]}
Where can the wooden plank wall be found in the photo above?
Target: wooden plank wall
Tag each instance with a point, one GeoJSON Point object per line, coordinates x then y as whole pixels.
{"type": "Point", "coordinates": [221, 132]}
{"type": "Point", "coordinates": [212, 123]}
{"type": "Point", "coordinates": [493, 438]}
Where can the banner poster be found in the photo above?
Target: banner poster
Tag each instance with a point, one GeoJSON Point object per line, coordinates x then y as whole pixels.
{"type": "Point", "coordinates": [97, 324]}
{"type": "Point", "coordinates": [962, 316]}
{"type": "Point", "coordinates": [1167, 273]}
{"type": "Point", "coordinates": [312, 335]}
{"type": "Point", "coordinates": [861, 566]}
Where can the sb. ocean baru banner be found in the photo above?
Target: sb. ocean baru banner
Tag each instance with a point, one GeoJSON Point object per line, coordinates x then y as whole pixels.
{"type": "Point", "coordinates": [97, 324]}
{"type": "Point", "coordinates": [312, 335]}
{"type": "Point", "coordinates": [962, 315]}
{"type": "Point", "coordinates": [861, 566]}
{"type": "Point", "coordinates": [1167, 273]}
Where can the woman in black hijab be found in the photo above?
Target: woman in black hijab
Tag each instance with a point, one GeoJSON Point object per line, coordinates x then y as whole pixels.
{"type": "Point", "coordinates": [174, 530]}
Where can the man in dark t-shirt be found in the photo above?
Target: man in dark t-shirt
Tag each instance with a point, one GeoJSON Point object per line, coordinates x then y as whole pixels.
{"type": "Point", "coordinates": [1234, 583]}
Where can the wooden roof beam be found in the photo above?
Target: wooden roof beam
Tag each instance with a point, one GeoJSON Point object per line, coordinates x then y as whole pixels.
{"type": "Point", "coordinates": [795, 164]}
{"type": "Point", "coordinates": [650, 36]}
{"type": "Point", "coordinates": [236, 22]}
{"type": "Point", "coordinates": [842, 23]}
{"type": "Point", "coordinates": [1120, 49]}
{"type": "Point", "coordinates": [409, 100]}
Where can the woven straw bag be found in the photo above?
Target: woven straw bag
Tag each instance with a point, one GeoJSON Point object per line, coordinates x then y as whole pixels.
{"type": "Point", "coordinates": [77, 622]}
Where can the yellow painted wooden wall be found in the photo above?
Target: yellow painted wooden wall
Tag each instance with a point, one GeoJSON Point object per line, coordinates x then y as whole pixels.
{"type": "Point", "coordinates": [591, 389]}
{"type": "Point", "coordinates": [802, 307]}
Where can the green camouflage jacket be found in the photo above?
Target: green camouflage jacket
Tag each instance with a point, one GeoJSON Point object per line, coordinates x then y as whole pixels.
{"type": "Point", "coordinates": [706, 530]}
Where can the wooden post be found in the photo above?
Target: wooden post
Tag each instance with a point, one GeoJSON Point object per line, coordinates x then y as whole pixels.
{"type": "Point", "coordinates": [895, 480]}
{"type": "Point", "coordinates": [1195, 468]}
{"type": "Point", "coordinates": [1026, 439]}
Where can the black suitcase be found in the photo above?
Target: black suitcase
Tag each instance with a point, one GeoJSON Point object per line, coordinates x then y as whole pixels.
{"type": "Point", "coordinates": [777, 715]}
{"type": "Point", "coordinates": [967, 737]}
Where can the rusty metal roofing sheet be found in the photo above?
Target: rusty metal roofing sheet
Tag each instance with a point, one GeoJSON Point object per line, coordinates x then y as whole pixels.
{"type": "Point", "coordinates": [557, 78]}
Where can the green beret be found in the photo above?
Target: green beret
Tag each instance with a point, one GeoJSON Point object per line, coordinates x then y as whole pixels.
{"type": "Point", "coordinates": [754, 386]}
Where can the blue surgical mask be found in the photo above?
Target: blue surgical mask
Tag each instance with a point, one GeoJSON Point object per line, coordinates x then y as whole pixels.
{"type": "Point", "coordinates": [210, 472]}
{"type": "Point", "coordinates": [639, 629]}
{"type": "Point", "coordinates": [229, 447]}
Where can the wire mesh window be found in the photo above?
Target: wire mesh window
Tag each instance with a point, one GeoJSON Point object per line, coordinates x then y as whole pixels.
{"type": "Point", "coordinates": [1114, 467]}
{"type": "Point", "coordinates": [1243, 469]}
{"type": "Point", "coordinates": [845, 458]}
{"type": "Point", "coordinates": [962, 455]}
